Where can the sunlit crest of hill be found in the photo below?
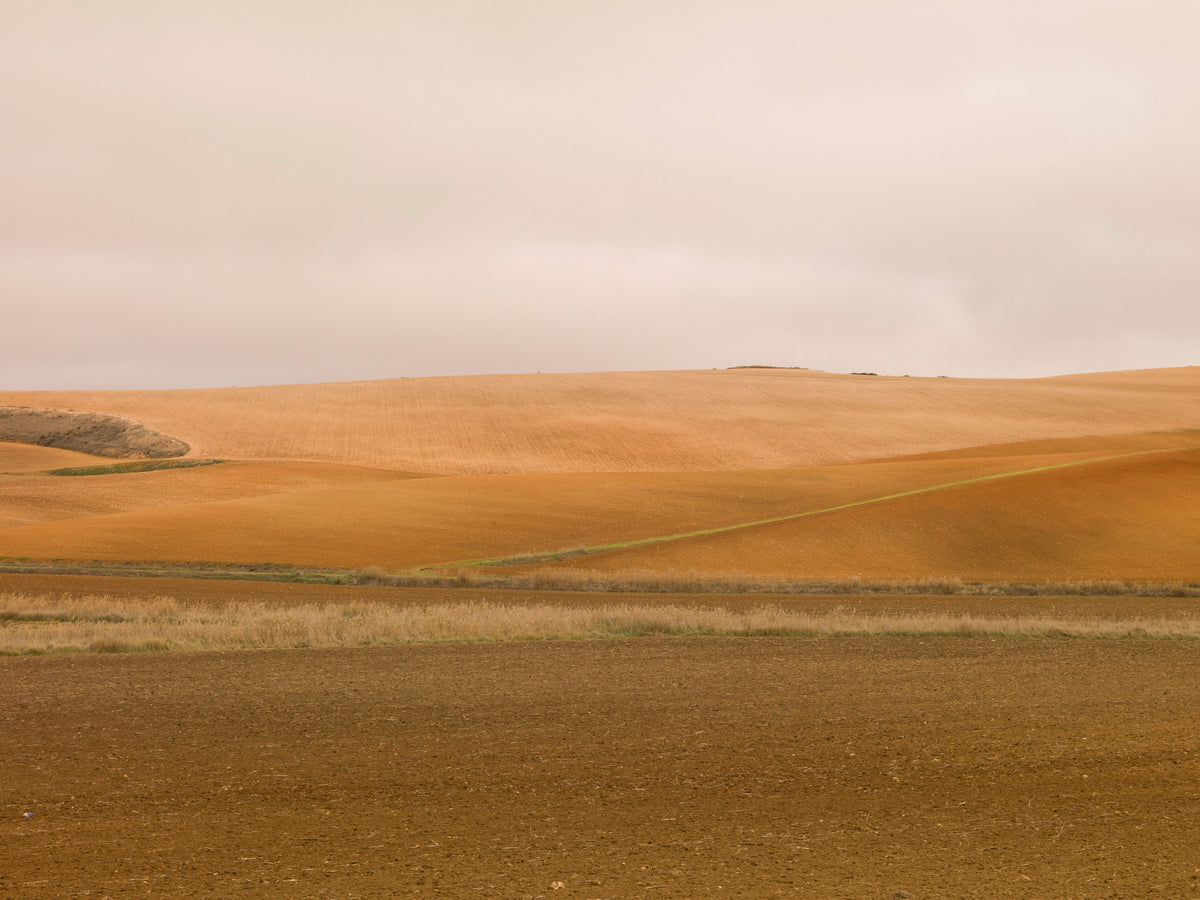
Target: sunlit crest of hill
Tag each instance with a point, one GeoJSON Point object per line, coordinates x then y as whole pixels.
{"type": "Point", "coordinates": [749, 418]}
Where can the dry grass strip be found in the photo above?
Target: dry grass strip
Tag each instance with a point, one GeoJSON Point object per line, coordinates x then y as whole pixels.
{"type": "Point", "coordinates": [675, 582]}
{"type": "Point", "coordinates": [642, 581]}
{"type": "Point", "coordinates": [40, 624]}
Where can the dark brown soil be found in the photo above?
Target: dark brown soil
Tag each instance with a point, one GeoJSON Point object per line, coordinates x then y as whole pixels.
{"type": "Point", "coordinates": [673, 767]}
{"type": "Point", "coordinates": [94, 433]}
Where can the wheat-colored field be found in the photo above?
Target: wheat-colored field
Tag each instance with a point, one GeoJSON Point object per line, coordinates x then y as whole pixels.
{"type": "Point", "coordinates": [1102, 475]}
{"type": "Point", "coordinates": [1122, 518]}
{"type": "Point", "coordinates": [18, 458]}
{"type": "Point", "coordinates": [640, 421]}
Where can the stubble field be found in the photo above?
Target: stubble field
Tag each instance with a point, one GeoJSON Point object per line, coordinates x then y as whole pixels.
{"type": "Point", "coordinates": [966, 758]}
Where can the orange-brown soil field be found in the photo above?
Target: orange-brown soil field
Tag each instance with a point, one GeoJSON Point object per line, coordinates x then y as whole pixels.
{"type": "Point", "coordinates": [922, 765]}
{"type": "Point", "coordinates": [432, 472]}
{"type": "Point", "coordinates": [676, 767]}
{"type": "Point", "coordinates": [716, 420]}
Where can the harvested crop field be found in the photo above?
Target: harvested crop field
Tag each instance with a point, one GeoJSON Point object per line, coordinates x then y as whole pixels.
{"type": "Point", "coordinates": [715, 420]}
{"type": "Point", "coordinates": [669, 767]}
{"type": "Point", "coordinates": [768, 472]}
{"type": "Point", "coordinates": [1122, 507]}
{"type": "Point", "coordinates": [923, 731]}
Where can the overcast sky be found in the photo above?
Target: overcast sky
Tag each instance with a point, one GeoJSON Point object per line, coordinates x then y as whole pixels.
{"type": "Point", "coordinates": [221, 192]}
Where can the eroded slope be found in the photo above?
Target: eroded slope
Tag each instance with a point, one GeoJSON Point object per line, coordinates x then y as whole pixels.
{"type": "Point", "coordinates": [97, 434]}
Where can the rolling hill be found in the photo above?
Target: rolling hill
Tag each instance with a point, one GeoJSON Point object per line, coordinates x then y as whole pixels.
{"type": "Point", "coordinates": [426, 472]}
{"type": "Point", "coordinates": [640, 421]}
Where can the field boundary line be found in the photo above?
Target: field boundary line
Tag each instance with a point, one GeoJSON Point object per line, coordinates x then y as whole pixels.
{"type": "Point", "coordinates": [560, 555]}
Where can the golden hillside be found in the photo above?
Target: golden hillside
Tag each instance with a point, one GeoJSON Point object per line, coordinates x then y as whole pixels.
{"type": "Point", "coordinates": [1105, 475]}
{"type": "Point", "coordinates": [641, 421]}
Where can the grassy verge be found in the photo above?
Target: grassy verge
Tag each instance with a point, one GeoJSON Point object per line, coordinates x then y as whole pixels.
{"type": "Point", "coordinates": [36, 624]}
{"type": "Point", "coordinates": [648, 582]}
{"type": "Point", "coordinates": [223, 571]}
{"type": "Point", "coordinates": [127, 468]}
{"type": "Point", "coordinates": [635, 582]}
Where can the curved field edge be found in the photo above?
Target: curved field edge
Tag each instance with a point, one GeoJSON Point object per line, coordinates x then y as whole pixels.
{"type": "Point", "coordinates": [32, 624]}
{"type": "Point", "coordinates": [570, 553]}
{"type": "Point", "coordinates": [1131, 519]}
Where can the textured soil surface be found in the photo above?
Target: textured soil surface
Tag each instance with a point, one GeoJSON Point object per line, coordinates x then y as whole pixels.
{"type": "Point", "coordinates": [1132, 517]}
{"type": "Point", "coordinates": [676, 767]}
{"type": "Point", "coordinates": [920, 767]}
{"type": "Point", "coordinates": [327, 475]}
{"type": "Point", "coordinates": [641, 421]}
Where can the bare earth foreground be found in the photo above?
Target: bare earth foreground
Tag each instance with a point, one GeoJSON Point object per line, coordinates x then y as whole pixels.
{"type": "Point", "coordinates": [673, 767]}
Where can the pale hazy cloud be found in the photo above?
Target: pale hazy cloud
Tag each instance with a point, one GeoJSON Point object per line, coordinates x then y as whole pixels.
{"type": "Point", "coordinates": [250, 192]}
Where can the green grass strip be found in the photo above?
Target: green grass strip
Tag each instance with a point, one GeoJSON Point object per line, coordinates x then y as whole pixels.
{"type": "Point", "coordinates": [126, 468]}
{"type": "Point", "coordinates": [229, 571]}
{"type": "Point", "coordinates": [558, 555]}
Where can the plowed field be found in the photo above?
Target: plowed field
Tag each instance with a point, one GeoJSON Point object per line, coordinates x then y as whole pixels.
{"type": "Point", "coordinates": [843, 768]}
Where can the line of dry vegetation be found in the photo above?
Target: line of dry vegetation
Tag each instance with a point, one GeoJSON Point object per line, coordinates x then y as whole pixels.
{"type": "Point", "coordinates": [630, 582]}
{"type": "Point", "coordinates": [673, 582]}
{"type": "Point", "coordinates": [34, 624]}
